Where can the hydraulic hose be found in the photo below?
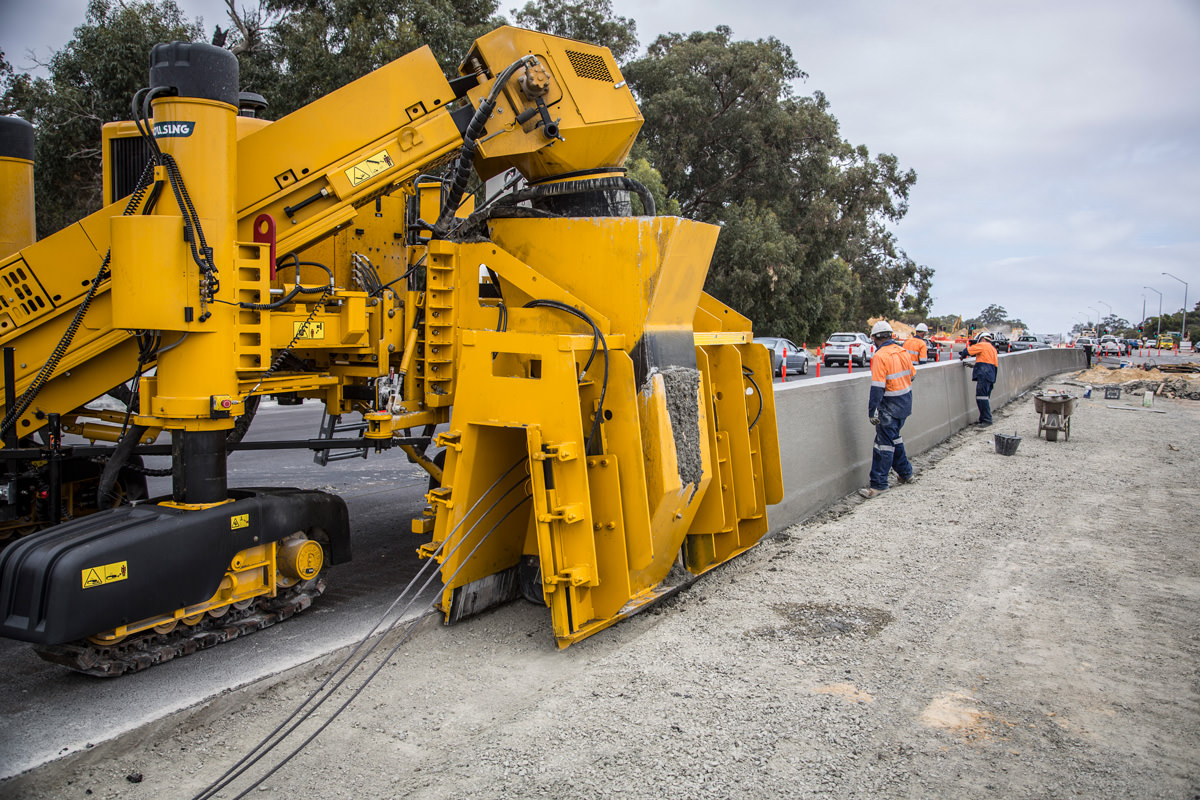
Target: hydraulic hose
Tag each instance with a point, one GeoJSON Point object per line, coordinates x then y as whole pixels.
{"type": "Point", "coordinates": [582, 186]}
{"type": "Point", "coordinates": [466, 156]}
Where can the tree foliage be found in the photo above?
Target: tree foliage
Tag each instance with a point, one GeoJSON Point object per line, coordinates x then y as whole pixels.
{"type": "Point", "coordinates": [586, 20]}
{"type": "Point", "coordinates": [91, 82]}
{"type": "Point", "coordinates": [805, 248]}
{"type": "Point", "coordinates": [321, 45]}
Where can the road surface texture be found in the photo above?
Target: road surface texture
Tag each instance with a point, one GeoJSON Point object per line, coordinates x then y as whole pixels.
{"type": "Point", "coordinates": [49, 711]}
{"type": "Point", "coordinates": [1016, 627]}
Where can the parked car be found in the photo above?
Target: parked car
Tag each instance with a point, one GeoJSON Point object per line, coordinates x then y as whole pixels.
{"type": "Point", "coordinates": [1002, 343]}
{"type": "Point", "coordinates": [797, 356]}
{"type": "Point", "coordinates": [1028, 341]}
{"type": "Point", "coordinates": [1084, 341]}
{"type": "Point", "coordinates": [843, 348]}
{"type": "Point", "coordinates": [1108, 339]}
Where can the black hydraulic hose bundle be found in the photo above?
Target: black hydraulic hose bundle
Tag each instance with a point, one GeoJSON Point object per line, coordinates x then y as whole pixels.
{"type": "Point", "coordinates": [619, 182]}
{"type": "Point", "coordinates": [466, 156]}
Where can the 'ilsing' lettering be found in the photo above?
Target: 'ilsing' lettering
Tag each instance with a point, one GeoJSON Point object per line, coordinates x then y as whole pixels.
{"type": "Point", "coordinates": [163, 130]}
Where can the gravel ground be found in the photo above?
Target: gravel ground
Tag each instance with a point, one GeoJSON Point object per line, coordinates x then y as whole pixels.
{"type": "Point", "coordinates": [1018, 627]}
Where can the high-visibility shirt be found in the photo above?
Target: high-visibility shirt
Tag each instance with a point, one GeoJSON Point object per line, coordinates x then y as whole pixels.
{"type": "Point", "coordinates": [892, 373]}
{"type": "Point", "coordinates": [984, 353]}
{"type": "Point", "coordinates": [916, 345]}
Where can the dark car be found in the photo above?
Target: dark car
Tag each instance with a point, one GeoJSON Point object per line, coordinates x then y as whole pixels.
{"type": "Point", "coordinates": [1002, 343]}
{"type": "Point", "coordinates": [797, 356]}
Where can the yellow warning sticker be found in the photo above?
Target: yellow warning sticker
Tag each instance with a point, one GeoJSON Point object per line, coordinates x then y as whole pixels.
{"type": "Point", "coordinates": [370, 167]}
{"type": "Point", "coordinates": [239, 521]}
{"type": "Point", "coordinates": [109, 573]}
{"type": "Point", "coordinates": [311, 330]}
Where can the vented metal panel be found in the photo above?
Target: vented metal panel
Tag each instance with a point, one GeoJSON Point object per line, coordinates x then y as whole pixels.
{"type": "Point", "coordinates": [589, 65]}
{"type": "Point", "coordinates": [129, 157]}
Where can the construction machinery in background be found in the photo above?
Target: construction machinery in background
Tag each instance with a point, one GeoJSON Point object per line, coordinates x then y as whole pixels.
{"type": "Point", "coordinates": [590, 418]}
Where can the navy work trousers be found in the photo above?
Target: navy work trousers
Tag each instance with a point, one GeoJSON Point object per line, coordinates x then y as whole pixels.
{"type": "Point", "coordinates": [888, 451]}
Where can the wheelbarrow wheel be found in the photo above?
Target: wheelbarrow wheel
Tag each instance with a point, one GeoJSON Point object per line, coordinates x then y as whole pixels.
{"type": "Point", "coordinates": [1067, 429]}
{"type": "Point", "coordinates": [1051, 434]}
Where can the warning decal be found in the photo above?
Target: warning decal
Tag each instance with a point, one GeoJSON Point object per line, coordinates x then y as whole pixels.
{"type": "Point", "coordinates": [109, 573]}
{"type": "Point", "coordinates": [238, 521]}
{"type": "Point", "coordinates": [312, 330]}
{"type": "Point", "coordinates": [370, 167]}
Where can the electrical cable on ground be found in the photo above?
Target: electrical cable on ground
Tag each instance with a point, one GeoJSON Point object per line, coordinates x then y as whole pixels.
{"type": "Point", "coordinates": [266, 745]}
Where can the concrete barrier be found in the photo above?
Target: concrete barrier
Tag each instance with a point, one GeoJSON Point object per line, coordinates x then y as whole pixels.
{"type": "Point", "coordinates": [825, 438]}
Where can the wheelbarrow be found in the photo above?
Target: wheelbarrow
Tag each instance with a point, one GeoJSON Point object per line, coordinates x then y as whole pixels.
{"type": "Point", "coordinates": [1054, 414]}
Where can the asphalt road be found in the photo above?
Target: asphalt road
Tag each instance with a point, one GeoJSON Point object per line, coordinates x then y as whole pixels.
{"type": "Point", "coordinates": [50, 711]}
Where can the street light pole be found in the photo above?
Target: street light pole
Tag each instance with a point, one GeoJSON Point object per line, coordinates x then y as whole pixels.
{"type": "Point", "coordinates": [1157, 292]}
{"type": "Point", "coordinates": [1098, 331]}
{"type": "Point", "coordinates": [1183, 325]}
{"type": "Point", "coordinates": [1106, 305]}
{"type": "Point", "coordinates": [1143, 321]}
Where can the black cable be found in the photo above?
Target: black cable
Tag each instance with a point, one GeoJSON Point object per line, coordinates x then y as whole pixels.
{"type": "Point", "coordinates": [285, 352]}
{"type": "Point", "coordinates": [382, 663]}
{"type": "Point", "coordinates": [621, 182]}
{"type": "Point", "coordinates": [592, 439]}
{"type": "Point", "coordinates": [296, 290]}
{"type": "Point", "coordinates": [463, 166]}
{"type": "Point", "coordinates": [265, 745]}
{"type": "Point", "coordinates": [748, 374]}
{"type": "Point", "coordinates": [414, 268]}
{"type": "Point", "coordinates": [12, 415]}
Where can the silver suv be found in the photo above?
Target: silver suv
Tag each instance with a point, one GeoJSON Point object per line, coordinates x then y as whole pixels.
{"type": "Point", "coordinates": [842, 347]}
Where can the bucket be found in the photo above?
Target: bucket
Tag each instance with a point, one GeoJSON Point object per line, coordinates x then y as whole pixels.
{"type": "Point", "coordinates": [1007, 445]}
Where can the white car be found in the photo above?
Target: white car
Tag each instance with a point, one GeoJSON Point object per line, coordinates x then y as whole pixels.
{"type": "Point", "coordinates": [844, 348]}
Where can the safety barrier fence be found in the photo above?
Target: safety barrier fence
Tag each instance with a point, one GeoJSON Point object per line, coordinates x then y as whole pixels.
{"type": "Point", "coordinates": [825, 438]}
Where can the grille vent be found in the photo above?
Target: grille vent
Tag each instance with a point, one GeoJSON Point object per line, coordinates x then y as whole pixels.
{"type": "Point", "coordinates": [589, 65]}
{"type": "Point", "coordinates": [129, 157]}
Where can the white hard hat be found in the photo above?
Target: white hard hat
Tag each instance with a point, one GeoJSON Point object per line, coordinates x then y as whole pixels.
{"type": "Point", "coordinates": [922, 327]}
{"type": "Point", "coordinates": [984, 335]}
{"type": "Point", "coordinates": [880, 328]}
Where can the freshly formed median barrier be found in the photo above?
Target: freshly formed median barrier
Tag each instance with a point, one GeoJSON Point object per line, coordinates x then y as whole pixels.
{"type": "Point", "coordinates": [825, 438]}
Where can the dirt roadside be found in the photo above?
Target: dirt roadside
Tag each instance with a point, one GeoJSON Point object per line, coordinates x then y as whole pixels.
{"type": "Point", "coordinates": [1015, 627]}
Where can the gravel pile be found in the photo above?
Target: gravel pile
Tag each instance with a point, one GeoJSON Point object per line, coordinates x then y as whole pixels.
{"type": "Point", "coordinates": [1018, 627]}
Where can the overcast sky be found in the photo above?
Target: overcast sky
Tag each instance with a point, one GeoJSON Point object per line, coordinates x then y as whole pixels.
{"type": "Point", "coordinates": [1057, 144]}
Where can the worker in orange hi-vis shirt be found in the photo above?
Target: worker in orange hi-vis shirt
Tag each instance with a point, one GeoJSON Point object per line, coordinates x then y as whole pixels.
{"type": "Point", "coordinates": [983, 373]}
{"type": "Point", "coordinates": [892, 372]}
{"type": "Point", "coordinates": [917, 346]}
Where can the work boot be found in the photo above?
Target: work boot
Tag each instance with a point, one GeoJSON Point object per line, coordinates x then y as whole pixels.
{"type": "Point", "coordinates": [912, 477]}
{"type": "Point", "coordinates": [870, 492]}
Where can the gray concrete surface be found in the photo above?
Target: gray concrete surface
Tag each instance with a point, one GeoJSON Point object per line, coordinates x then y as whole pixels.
{"type": "Point", "coordinates": [826, 450]}
{"type": "Point", "coordinates": [828, 416]}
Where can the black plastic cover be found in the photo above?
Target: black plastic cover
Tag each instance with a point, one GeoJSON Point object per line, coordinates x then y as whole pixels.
{"type": "Point", "coordinates": [16, 138]}
{"type": "Point", "coordinates": [195, 69]}
{"type": "Point", "coordinates": [159, 559]}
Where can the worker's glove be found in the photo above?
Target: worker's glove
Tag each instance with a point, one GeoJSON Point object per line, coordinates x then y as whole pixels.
{"type": "Point", "coordinates": [874, 419]}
